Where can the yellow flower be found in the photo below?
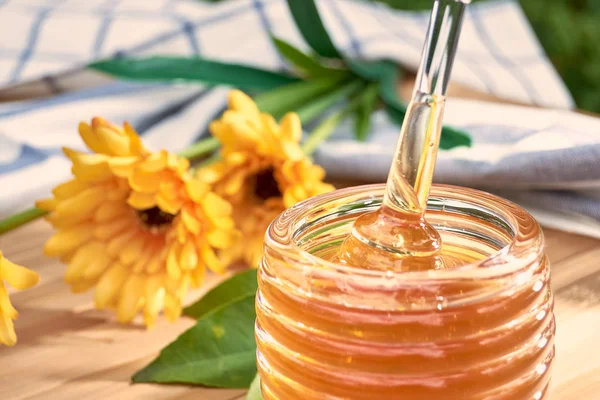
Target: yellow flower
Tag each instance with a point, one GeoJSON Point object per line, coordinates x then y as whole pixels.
{"type": "Point", "coordinates": [19, 278]}
{"type": "Point", "coordinates": [261, 172]}
{"type": "Point", "coordinates": [135, 224]}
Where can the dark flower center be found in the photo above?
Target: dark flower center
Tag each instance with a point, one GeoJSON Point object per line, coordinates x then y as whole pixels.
{"type": "Point", "coordinates": [266, 185]}
{"type": "Point", "coordinates": [155, 217]}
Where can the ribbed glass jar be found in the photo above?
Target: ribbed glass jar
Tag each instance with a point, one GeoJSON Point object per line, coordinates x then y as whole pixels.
{"type": "Point", "coordinates": [480, 331]}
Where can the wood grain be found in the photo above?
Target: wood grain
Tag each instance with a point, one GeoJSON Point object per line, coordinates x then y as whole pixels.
{"type": "Point", "coordinates": [69, 351]}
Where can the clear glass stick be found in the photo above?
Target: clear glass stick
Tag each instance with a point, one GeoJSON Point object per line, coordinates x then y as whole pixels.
{"type": "Point", "coordinates": [411, 173]}
{"type": "Point", "coordinates": [397, 236]}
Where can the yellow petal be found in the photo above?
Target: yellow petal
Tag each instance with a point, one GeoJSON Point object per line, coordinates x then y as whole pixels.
{"type": "Point", "coordinates": [197, 276]}
{"type": "Point", "coordinates": [141, 201]}
{"type": "Point", "coordinates": [145, 182]}
{"type": "Point", "coordinates": [211, 260]}
{"type": "Point", "coordinates": [133, 251]}
{"type": "Point", "coordinates": [91, 140]}
{"type": "Point", "coordinates": [190, 221]}
{"type": "Point", "coordinates": [89, 167]}
{"type": "Point", "coordinates": [110, 284]}
{"type": "Point", "coordinates": [17, 276]}
{"type": "Point", "coordinates": [82, 286]}
{"type": "Point", "coordinates": [82, 204]}
{"type": "Point", "coordinates": [170, 206]}
{"type": "Point", "coordinates": [135, 144]}
{"type": "Point", "coordinates": [212, 173]}
{"type": "Point", "coordinates": [196, 189]}
{"type": "Point", "coordinates": [116, 142]}
{"type": "Point", "coordinates": [225, 223]}
{"type": "Point", "coordinates": [215, 205]}
{"type": "Point", "coordinates": [188, 259]}
{"type": "Point", "coordinates": [234, 183]}
{"type": "Point", "coordinates": [154, 294]}
{"type": "Point", "coordinates": [155, 264]}
{"type": "Point", "coordinates": [97, 265]}
{"type": "Point", "coordinates": [109, 211]}
{"type": "Point", "coordinates": [155, 162]}
{"type": "Point", "coordinates": [181, 233]}
{"type": "Point", "coordinates": [7, 331]}
{"type": "Point", "coordinates": [66, 240]}
{"type": "Point", "coordinates": [69, 189]}
{"type": "Point", "coordinates": [239, 101]}
{"type": "Point", "coordinates": [219, 239]}
{"type": "Point", "coordinates": [177, 163]}
{"type": "Point", "coordinates": [81, 259]}
{"type": "Point", "coordinates": [289, 199]}
{"type": "Point", "coordinates": [291, 127]}
{"type": "Point", "coordinates": [172, 307]}
{"type": "Point", "coordinates": [47, 204]}
{"type": "Point", "coordinates": [236, 158]}
{"type": "Point", "coordinates": [173, 262]}
{"type": "Point", "coordinates": [292, 150]}
{"type": "Point", "coordinates": [6, 308]}
{"type": "Point", "coordinates": [131, 296]}
{"type": "Point", "coordinates": [123, 166]}
{"type": "Point", "coordinates": [147, 254]}
{"type": "Point", "coordinates": [118, 243]}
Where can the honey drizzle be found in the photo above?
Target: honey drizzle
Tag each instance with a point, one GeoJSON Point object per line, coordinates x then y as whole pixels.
{"type": "Point", "coordinates": [397, 237]}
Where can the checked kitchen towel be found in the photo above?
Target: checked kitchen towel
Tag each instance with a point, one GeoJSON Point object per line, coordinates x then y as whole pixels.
{"type": "Point", "coordinates": [546, 159]}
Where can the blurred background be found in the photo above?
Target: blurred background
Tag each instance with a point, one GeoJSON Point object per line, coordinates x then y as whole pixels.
{"type": "Point", "coordinates": [531, 70]}
{"type": "Point", "coordinates": [569, 31]}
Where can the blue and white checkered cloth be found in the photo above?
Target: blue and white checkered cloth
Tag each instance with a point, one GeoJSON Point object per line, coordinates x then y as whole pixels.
{"type": "Point", "coordinates": [545, 159]}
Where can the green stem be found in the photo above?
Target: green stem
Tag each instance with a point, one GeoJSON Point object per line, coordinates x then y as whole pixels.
{"type": "Point", "coordinates": [322, 132]}
{"type": "Point", "coordinates": [200, 148]}
{"type": "Point", "coordinates": [19, 219]}
{"type": "Point", "coordinates": [321, 104]}
{"type": "Point", "coordinates": [328, 125]}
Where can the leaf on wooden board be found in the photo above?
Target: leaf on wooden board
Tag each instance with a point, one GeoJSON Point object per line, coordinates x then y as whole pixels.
{"type": "Point", "coordinates": [239, 286]}
{"type": "Point", "coordinates": [363, 112]}
{"type": "Point", "coordinates": [292, 97]}
{"type": "Point", "coordinates": [193, 69]}
{"type": "Point", "coordinates": [306, 63]}
{"type": "Point", "coordinates": [218, 351]}
{"type": "Point", "coordinates": [254, 392]}
{"type": "Point", "coordinates": [308, 21]}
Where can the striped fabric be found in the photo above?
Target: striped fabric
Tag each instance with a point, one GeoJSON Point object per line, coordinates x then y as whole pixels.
{"type": "Point", "coordinates": [516, 148]}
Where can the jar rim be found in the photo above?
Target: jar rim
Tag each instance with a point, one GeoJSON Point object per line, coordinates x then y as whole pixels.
{"type": "Point", "coordinates": [526, 246]}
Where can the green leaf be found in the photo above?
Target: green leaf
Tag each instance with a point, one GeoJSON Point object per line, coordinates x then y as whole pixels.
{"type": "Point", "coordinates": [328, 125]}
{"type": "Point", "coordinates": [387, 73]}
{"type": "Point", "coordinates": [364, 111]}
{"type": "Point", "coordinates": [239, 286]}
{"type": "Point", "coordinates": [295, 95]}
{"type": "Point", "coordinates": [254, 392]}
{"type": "Point", "coordinates": [308, 21]}
{"type": "Point", "coordinates": [450, 137]}
{"type": "Point", "coordinates": [218, 351]}
{"type": "Point", "coordinates": [304, 62]}
{"type": "Point", "coordinates": [193, 69]}
{"type": "Point", "coordinates": [323, 131]}
{"type": "Point", "coordinates": [321, 104]}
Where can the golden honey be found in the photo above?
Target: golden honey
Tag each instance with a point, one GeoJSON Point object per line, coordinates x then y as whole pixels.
{"type": "Point", "coordinates": [482, 327]}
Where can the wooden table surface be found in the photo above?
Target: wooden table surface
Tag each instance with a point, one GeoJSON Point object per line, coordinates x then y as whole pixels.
{"type": "Point", "coordinates": [67, 350]}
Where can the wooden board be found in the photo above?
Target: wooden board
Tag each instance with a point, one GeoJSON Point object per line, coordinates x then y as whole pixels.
{"type": "Point", "coordinates": [69, 351]}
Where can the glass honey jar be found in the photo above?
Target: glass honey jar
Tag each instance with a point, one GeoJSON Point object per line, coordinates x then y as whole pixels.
{"type": "Point", "coordinates": [482, 329]}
